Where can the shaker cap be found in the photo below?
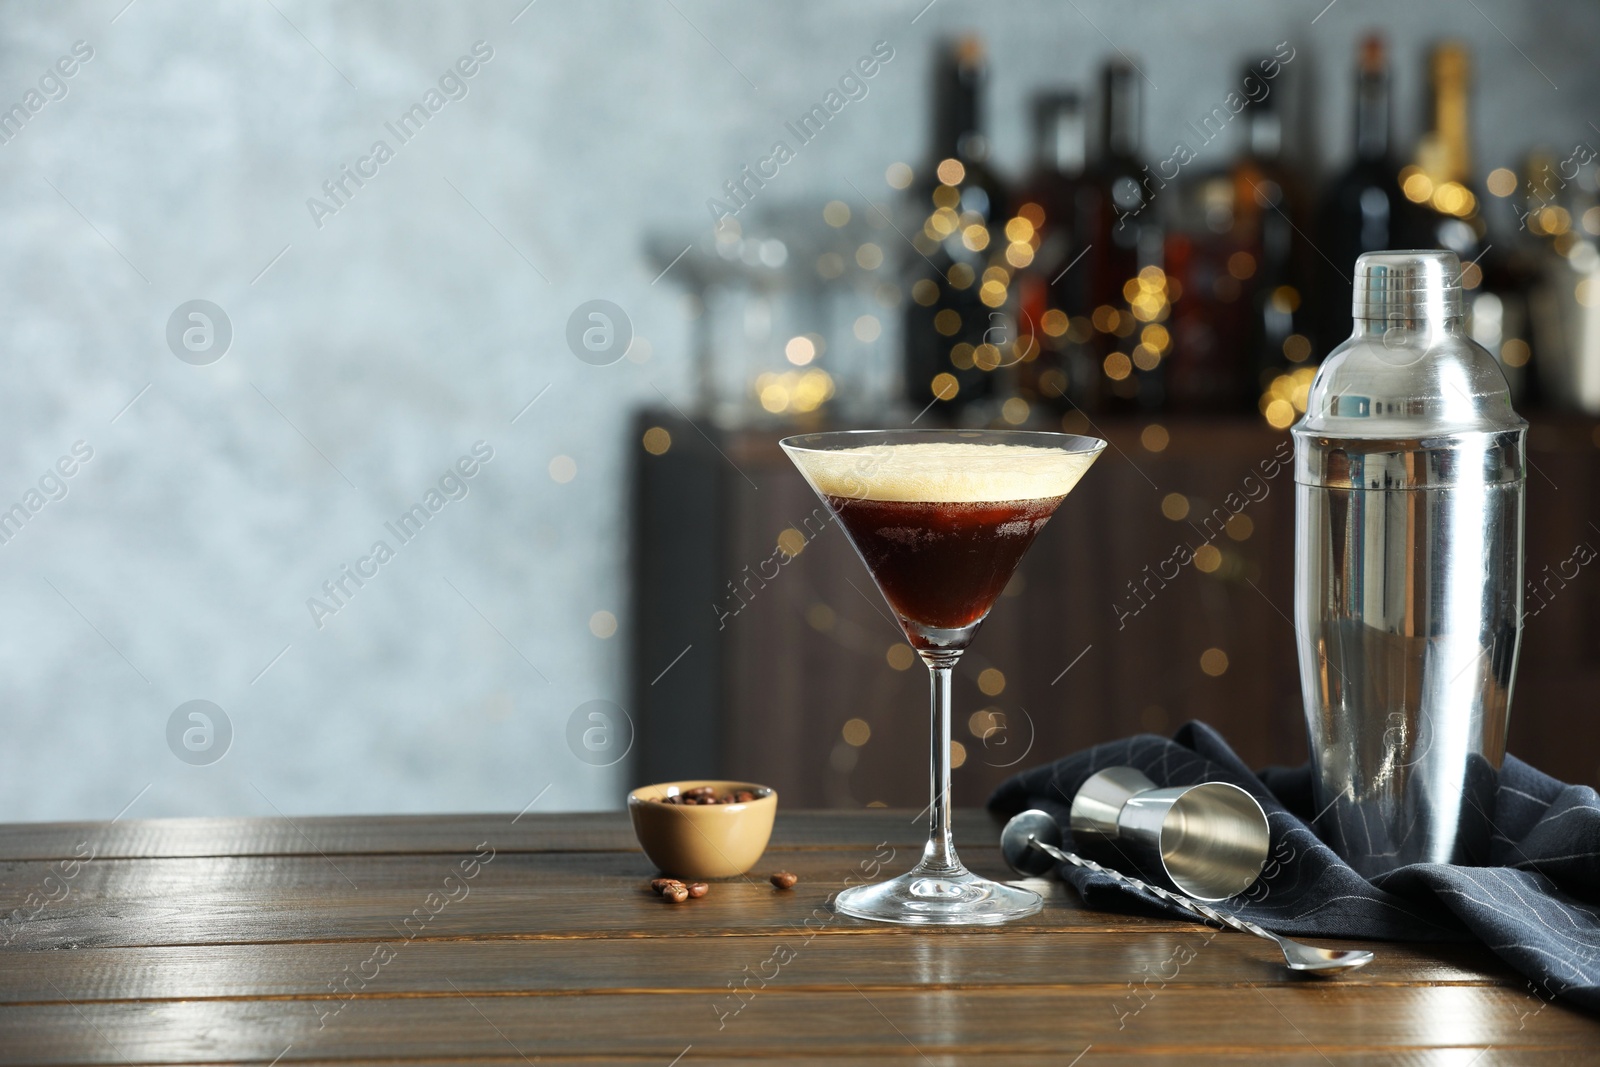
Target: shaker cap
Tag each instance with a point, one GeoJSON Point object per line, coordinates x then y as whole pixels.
{"type": "Point", "coordinates": [1409, 401]}
{"type": "Point", "coordinates": [1411, 286]}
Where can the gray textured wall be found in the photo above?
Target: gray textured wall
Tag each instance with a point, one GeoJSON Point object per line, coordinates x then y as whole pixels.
{"type": "Point", "coordinates": [423, 316]}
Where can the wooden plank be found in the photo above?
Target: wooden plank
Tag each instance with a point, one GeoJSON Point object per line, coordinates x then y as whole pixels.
{"type": "Point", "coordinates": [684, 966]}
{"type": "Point", "coordinates": [298, 835]}
{"type": "Point", "coordinates": [1443, 1057]}
{"type": "Point", "coordinates": [1180, 1020]}
{"type": "Point", "coordinates": [115, 903]}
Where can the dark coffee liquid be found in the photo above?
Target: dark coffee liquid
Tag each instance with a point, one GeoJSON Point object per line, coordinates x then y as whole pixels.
{"type": "Point", "coordinates": [942, 565]}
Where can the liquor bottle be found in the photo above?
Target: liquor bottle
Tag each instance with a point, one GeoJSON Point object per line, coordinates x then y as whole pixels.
{"type": "Point", "coordinates": [1451, 214]}
{"type": "Point", "coordinates": [1363, 210]}
{"type": "Point", "coordinates": [1557, 209]}
{"type": "Point", "coordinates": [1207, 269]}
{"type": "Point", "coordinates": [1270, 203]}
{"type": "Point", "coordinates": [1047, 236]}
{"type": "Point", "coordinates": [1233, 254]}
{"type": "Point", "coordinates": [956, 321]}
{"type": "Point", "coordinates": [1440, 180]}
{"type": "Point", "coordinates": [1127, 287]}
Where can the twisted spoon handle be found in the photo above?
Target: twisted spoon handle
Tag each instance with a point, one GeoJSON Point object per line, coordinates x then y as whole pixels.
{"type": "Point", "coordinates": [1194, 907]}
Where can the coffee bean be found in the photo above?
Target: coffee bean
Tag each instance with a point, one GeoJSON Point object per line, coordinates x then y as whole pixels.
{"type": "Point", "coordinates": [784, 880]}
{"type": "Point", "coordinates": [706, 795]}
{"type": "Point", "coordinates": [660, 884]}
{"type": "Point", "coordinates": [677, 892]}
{"type": "Point", "coordinates": [698, 889]}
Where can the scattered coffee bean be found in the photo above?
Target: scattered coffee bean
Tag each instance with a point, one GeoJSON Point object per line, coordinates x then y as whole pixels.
{"type": "Point", "coordinates": [698, 889]}
{"type": "Point", "coordinates": [660, 884]}
{"type": "Point", "coordinates": [677, 892]}
{"type": "Point", "coordinates": [784, 880]}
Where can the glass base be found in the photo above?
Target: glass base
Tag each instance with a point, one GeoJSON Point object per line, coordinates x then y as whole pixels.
{"type": "Point", "coordinates": [922, 898]}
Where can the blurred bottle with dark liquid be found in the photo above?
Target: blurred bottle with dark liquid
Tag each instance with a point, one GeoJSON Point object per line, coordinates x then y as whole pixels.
{"type": "Point", "coordinates": [956, 321]}
{"type": "Point", "coordinates": [1271, 204]}
{"type": "Point", "coordinates": [1056, 369]}
{"type": "Point", "coordinates": [1127, 286]}
{"type": "Point", "coordinates": [1208, 327]}
{"type": "Point", "coordinates": [1234, 261]}
{"type": "Point", "coordinates": [1363, 209]}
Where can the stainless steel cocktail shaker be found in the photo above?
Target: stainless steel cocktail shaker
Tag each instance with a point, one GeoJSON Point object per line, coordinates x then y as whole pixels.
{"type": "Point", "coordinates": [1409, 476]}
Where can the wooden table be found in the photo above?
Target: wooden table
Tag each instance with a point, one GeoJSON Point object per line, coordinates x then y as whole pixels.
{"type": "Point", "coordinates": [499, 940]}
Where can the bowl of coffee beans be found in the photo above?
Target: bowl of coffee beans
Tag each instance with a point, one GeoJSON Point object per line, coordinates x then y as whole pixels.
{"type": "Point", "coordinates": [703, 828]}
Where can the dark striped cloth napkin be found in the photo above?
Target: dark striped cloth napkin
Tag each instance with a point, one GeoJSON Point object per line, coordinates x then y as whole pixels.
{"type": "Point", "coordinates": [1537, 905]}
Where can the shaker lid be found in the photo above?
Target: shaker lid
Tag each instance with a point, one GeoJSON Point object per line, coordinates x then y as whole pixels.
{"type": "Point", "coordinates": [1401, 286]}
{"type": "Point", "coordinates": [1408, 381]}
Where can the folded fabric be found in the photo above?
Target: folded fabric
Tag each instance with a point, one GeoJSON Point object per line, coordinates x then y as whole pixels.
{"type": "Point", "coordinates": [1537, 905]}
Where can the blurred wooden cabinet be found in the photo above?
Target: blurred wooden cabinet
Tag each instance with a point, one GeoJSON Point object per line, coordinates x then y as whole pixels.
{"type": "Point", "coordinates": [760, 639]}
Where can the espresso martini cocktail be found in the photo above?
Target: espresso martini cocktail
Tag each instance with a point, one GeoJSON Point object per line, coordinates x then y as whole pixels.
{"type": "Point", "coordinates": [941, 519]}
{"type": "Point", "coordinates": [942, 525]}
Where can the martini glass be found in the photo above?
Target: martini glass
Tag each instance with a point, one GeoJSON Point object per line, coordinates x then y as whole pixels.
{"type": "Point", "coordinates": [941, 519]}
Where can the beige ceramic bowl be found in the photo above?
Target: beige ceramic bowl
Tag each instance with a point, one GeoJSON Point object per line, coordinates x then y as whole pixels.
{"type": "Point", "coordinates": [701, 841]}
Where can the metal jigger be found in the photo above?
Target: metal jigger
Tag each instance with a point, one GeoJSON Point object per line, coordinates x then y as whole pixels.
{"type": "Point", "coordinates": [1206, 841]}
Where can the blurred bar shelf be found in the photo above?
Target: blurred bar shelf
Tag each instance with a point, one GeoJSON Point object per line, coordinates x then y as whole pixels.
{"type": "Point", "coordinates": [750, 663]}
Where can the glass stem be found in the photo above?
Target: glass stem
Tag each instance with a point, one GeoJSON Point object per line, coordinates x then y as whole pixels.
{"type": "Point", "coordinates": [939, 856]}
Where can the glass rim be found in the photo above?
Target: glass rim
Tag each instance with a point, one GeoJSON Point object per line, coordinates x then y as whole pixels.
{"type": "Point", "coordinates": [834, 440]}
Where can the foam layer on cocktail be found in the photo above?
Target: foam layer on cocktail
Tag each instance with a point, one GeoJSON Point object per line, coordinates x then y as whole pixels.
{"type": "Point", "coordinates": [944, 472]}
